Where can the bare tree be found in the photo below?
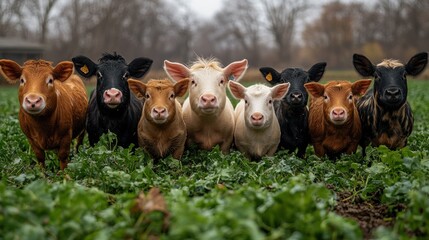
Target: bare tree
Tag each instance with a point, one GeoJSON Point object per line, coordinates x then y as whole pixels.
{"type": "Point", "coordinates": [42, 10]}
{"type": "Point", "coordinates": [10, 16]}
{"type": "Point", "coordinates": [239, 20]}
{"type": "Point", "coordinates": [282, 16]}
{"type": "Point", "coordinates": [331, 36]}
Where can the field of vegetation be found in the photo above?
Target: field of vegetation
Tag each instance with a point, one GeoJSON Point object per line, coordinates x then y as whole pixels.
{"type": "Point", "coordinates": [112, 193]}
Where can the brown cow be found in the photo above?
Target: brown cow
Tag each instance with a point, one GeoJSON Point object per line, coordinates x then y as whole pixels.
{"type": "Point", "coordinates": [161, 129]}
{"type": "Point", "coordinates": [334, 123]}
{"type": "Point", "coordinates": [53, 105]}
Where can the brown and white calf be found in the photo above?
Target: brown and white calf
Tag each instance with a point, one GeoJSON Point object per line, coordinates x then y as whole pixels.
{"type": "Point", "coordinates": [161, 130]}
{"type": "Point", "coordinates": [208, 113]}
{"type": "Point", "coordinates": [257, 130]}
{"type": "Point", "coordinates": [53, 105]}
{"type": "Point", "coordinates": [334, 123]}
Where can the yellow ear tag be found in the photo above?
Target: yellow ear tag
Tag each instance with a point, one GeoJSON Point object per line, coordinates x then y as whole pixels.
{"type": "Point", "coordinates": [269, 77]}
{"type": "Point", "coordinates": [84, 69]}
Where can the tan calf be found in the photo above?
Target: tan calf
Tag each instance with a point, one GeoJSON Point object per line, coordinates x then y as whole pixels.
{"type": "Point", "coordinates": [334, 123]}
{"type": "Point", "coordinates": [53, 105]}
{"type": "Point", "coordinates": [161, 129]}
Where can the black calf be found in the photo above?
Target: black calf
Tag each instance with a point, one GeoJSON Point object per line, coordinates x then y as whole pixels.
{"type": "Point", "coordinates": [292, 111]}
{"type": "Point", "coordinates": [111, 106]}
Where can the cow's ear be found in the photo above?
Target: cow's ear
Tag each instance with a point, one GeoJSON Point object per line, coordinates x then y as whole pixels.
{"type": "Point", "coordinates": [137, 87]}
{"type": "Point", "coordinates": [359, 87]}
{"type": "Point", "coordinates": [176, 71]}
{"type": "Point", "coordinates": [279, 91]}
{"type": "Point", "coordinates": [315, 89]}
{"type": "Point", "coordinates": [236, 69]}
{"type": "Point", "coordinates": [63, 70]}
{"type": "Point", "coordinates": [84, 66]}
{"type": "Point", "coordinates": [237, 89]}
{"type": "Point", "coordinates": [363, 65]}
{"type": "Point", "coordinates": [417, 64]}
{"type": "Point", "coordinates": [10, 70]}
{"type": "Point", "coordinates": [181, 87]}
{"type": "Point", "coordinates": [270, 75]}
{"type": "Point", "coordinates": [315, 73]}
{"type": "Point", "coordinates": [139, 67]}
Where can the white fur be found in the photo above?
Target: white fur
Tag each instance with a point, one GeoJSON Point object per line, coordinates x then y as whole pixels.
{"type": "Point", "coordinates": [257, 141]}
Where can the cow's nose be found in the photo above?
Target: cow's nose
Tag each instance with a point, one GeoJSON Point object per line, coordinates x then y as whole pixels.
{"type": "Point", "coordinates": [159, 110]}
{"type": "Point", "coordinates": [338, 113]}
{"type": "Point", "coordinates": [393, 93]}
{"type": "Point", "coordinates": [257, 118]}
{"type": "Point", "coordinates": [208, 100]}
{"type": "Point", "coordinates": [113, 96]}
{"type": "Point", "coordinates": [296, 97]}
{"type": "Point", "coordinates": [33, 101]}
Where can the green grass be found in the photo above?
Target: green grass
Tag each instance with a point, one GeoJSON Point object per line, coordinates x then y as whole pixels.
{"type": "Point", "coordinates": [209, 195]}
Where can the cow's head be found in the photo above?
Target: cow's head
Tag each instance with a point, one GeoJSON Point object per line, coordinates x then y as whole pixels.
{"type": "Point", "coordinates": [296, 77]}
{"type": "Point", "coordinates": [258, 100]}
{"type": "Point", "coordinates": [208, 81]}
{"type": "Point", "coordinates": [37, 83]}
{"type": "Point", "coordinates": [112, 73]}
{"type": "Point", "coordinates": [160, 98]}
{"type": "Point", "coordinates": [390, 77]}
{"type": "Point", "coordinates": [338, 98]}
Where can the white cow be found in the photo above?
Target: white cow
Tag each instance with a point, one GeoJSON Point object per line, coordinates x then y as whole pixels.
{"type": "Point", "coordinates": [257, 130]}
{"type": "Point", "coordinates": [208, 113]}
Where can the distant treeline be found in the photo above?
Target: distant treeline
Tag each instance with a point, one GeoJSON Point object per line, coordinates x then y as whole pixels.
{"type": "Point", "coordinates": [276, 33]}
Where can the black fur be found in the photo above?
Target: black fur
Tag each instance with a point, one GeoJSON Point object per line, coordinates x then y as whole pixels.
{"type": "Point", "coordinates": [385, 114]}
{"type": "Point", "coordinates": [113, 71]}
{"type": "Point", "coordinates": [292, 111]}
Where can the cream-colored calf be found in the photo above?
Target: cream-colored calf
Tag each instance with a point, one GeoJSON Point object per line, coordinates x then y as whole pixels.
{"type": "Point", "coordinates": [257, 130]}
{"type": "Point", "coordinates": [208, 113]}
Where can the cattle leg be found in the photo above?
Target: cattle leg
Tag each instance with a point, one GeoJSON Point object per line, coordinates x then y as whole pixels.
{"type": "Point", "coordinates": [301, 152]}
{"type": "Point", "coordinates": [226, 146]}
{"type": "Point", "coordinates": [64, 151]}
{"type": "Point", "coordinates": [177, 154]}
{"type": "Point", "coordinates": [352, 148]}
{"type": "Point", "coordinates": [271, 151]}
{"type": "Point", "coordinates": [40, 155]}
{"type": "Point", "coordinates": [319, 150]}
{"type": "Point", "coordinates": [79, 140]}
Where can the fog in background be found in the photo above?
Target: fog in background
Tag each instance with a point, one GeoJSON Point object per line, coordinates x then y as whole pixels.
{"type": "Point", "coordinates": [275, 33]}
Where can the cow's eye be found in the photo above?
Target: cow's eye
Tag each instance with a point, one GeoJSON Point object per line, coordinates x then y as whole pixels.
{"type": "Point", "coordinates": [50, 81]}
{"type": "Point", "coordinates": [325, 97]}
{"type": "Point", "coordinates": [270, 101]}
{"type": "Point", "coordinates": [350, 97]}
{"type": "Point", "coordinates": [193, 83]}
{"type": "Point", "coordinates": [245, 101]}
{"type": "Point", "coordinates": [22, 81]}
{"type": "Point", "coordinates": [147, 96]}
{"type": "Point", "coordinates": [172, 96]}
{"type": "Point", "coordinates": [222, 81]}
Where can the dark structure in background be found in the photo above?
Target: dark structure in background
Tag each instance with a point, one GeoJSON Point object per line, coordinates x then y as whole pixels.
{"type": "Point", "coordinates": [20, 50]}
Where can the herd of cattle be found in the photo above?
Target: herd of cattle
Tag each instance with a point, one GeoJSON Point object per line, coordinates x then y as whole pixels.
{"type": "Point", "coordinates": [54, 107]}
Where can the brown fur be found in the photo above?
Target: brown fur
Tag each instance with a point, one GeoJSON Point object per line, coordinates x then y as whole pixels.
{"type": "Point", "coordinates": [326, 137]}
{"type": "Point", "coordinates": [63, 118]}
{"type": "Point", "coordinates": [169, 137]}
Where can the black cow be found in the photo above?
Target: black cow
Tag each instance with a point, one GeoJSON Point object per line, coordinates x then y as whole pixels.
{"type": "Point", "coordinates": [385, 114]}
{"type": "Point", "coordinates": [292, 111]}
{"type": "Point", "coordinates": [111, 106]}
